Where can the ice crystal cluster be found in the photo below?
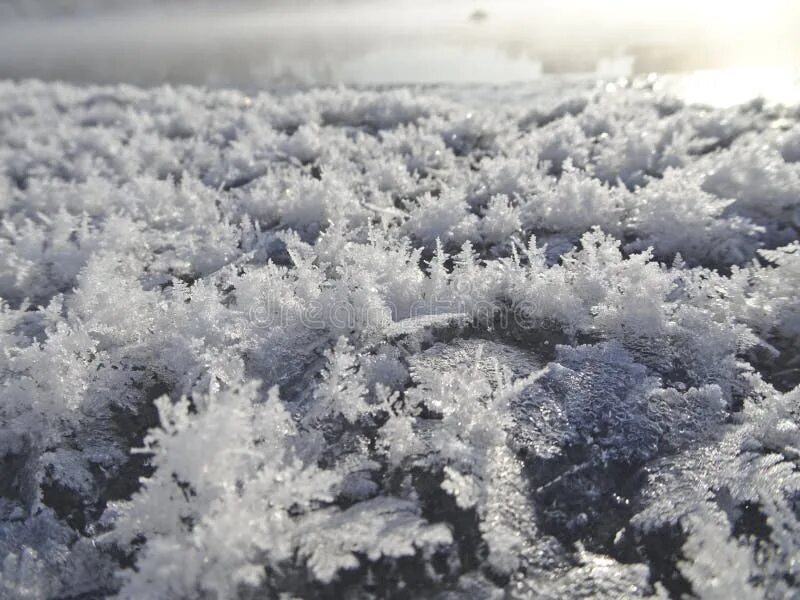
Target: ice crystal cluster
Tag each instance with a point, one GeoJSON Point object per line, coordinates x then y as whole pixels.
{"type": "Point", "coordinates": [397, 344]}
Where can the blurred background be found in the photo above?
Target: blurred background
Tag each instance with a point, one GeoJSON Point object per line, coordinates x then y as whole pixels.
{"type": "Point", "coordinates": [716, 51]}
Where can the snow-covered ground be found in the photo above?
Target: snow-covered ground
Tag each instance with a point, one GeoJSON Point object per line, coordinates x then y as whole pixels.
{"type": "Point", "coordinates": [531, 341]}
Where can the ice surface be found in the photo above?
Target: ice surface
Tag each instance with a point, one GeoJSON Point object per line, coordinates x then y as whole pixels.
{"type": "Point", "coordinates": [449, 342]}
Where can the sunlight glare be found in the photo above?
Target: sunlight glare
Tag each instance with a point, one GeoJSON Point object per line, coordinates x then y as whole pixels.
{"type": "Point", "coordinates": [728, 87]}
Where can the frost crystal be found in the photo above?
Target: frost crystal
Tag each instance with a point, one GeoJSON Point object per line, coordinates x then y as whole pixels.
{"type": "Point", "coordinates": [385, 344]}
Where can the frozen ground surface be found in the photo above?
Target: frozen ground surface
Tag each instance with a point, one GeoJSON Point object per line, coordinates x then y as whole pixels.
{"type": "Point", "coordinates": [433, 343]}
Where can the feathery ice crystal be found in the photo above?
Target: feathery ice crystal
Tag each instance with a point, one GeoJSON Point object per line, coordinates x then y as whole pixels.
{"type": "Point", "coordinates": [388, 344]}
